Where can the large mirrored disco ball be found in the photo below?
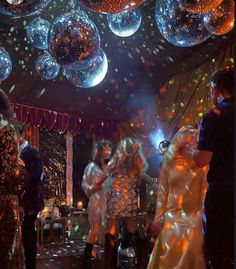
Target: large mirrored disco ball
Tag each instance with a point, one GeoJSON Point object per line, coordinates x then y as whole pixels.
{"type": "Point", "coordinates": [47, 67]}
{"type": "Point", "coordinates": [74, 38]}
{"type": "Point", "coordinates": [221, 20]}
{"type": "Point", "coordinates": [126, 23]}
{"type": "Point", "coordinates": [37, 32]}
{"type": "Point", "coordinates": [5, 64]}
{"type": "Point", "coordinates": [91, 76]}
{"type": "Point", "coordinates": [199, 6]}
{"type": "Point", "coordinates": [111, 6]}
{"type": "Point", "coordinates": [19, 8]}
{"type": "Point", "coordinates": [178, 26]}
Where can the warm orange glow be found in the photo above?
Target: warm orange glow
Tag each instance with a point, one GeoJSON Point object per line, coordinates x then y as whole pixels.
{"type": "Point", "coordinates": [180, 167]}
{"type": "Point", "coordinates": [180, 200]}
{"type": "Point", "coordinates": [184, 245]}
{"type": "Point", "coordinates": [113, 230]}
{"type": "Point", "coordinates": [80, 205]}
{"type": "Point", "coordinates": [191, 234]}
{"type": "Point", "coordinates": [163, 90]}
{"type": "Point", "coordinates": [187, 119]}
{"type": "Point", "coordinates": [168, 225]}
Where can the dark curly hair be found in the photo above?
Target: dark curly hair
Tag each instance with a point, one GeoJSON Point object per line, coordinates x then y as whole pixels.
{"type": "Point", "coordinates": [96, 155]}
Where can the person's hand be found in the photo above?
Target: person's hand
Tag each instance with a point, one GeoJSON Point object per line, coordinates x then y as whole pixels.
{"type": "Point", "coordinates": [21, 214]}
{"type": "Point", "coordinates": [155, 228]}
{"type": "Point", "coordinates": [95, 188]}
{"type": "Point", "coordinates": [21, 163]}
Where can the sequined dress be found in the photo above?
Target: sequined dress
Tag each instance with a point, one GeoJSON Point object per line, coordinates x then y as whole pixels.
{"type": "Point", "coordinates": [122, 197]}
{"type": "Point", "coordinates": [11, 253]}
{"type": "Point", "coordinates": [179, 206]}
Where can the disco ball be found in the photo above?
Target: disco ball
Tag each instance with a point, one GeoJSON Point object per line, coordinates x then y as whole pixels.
{"type": "Point", "coordinates": [126, 23]}
{"type": "Point", "coordinates": [91, 76]}
{"type": "Point", "coordinates": [221, 20]}
{"type": "Point", "coordinates": [199, 6]}
{"type": "Point", "coordinates": [37, 32]}
{"type": "Point", "coordinates": [15, 2]}
{"type": "Point", "coordinates": [47, 67]}
{"type": "Point", "coordinates": [110, 6]}
{"type": "Point", "coordinates": [73, 37]}
{"type": "Point", "coordinates": [5, 64]}
{"type": "Point", "coordinates": [178, 26]}
{"type": "Point", "coordinates": [19, 8]}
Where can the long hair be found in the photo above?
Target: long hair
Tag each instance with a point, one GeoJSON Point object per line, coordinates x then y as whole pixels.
{"type": "Point", "coordinates": [96, 155]}
{"type": "Point", "coordinates": [186, 135]}
{"type": "Point", "coordinates": [129, 156]}
{"type": "Point", "coordinates": [4, 105]}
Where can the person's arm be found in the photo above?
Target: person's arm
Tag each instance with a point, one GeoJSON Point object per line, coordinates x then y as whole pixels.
{"type": "Point", "coordinates": [116, 159]}
{"type": "Point", "coordinates": [89, 179]}
{"type": "Point", "coordinates": [207, 137]}
{"type": "Point", "coordinates": [202, 157]}
{"type": "Point", "coordinates": [148, 179]}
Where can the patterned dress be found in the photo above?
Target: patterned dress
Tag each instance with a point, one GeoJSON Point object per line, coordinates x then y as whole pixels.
{"type": "Point", "coordinates": [11, 254]}
{"type": "Point", "coordinates": [124, 171]}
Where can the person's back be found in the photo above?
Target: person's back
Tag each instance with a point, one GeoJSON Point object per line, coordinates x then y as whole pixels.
{"type": "Point", "coordinates": [32, 200]}
{"type": "Point", "coordinates": [221, 170]}
{"type": "Point", "coordinates": [187, 187]}
{"type": "Point", "coordinates": [179, 207]}
{"type": "Point", "coordinates": [216, 148]}
{"type": "Point", "coordinates": [33, 196]}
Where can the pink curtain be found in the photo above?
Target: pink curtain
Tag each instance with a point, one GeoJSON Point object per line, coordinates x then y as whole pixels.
{"type": "Point", "coordinates": [52, 120]}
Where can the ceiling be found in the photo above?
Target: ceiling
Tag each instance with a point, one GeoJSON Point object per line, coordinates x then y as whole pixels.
{"type": "Point", "coordinates": [138, 66]}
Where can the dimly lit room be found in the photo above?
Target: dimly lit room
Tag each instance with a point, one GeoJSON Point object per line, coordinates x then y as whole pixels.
{"type": "Point", "coordinates": [117, 134]}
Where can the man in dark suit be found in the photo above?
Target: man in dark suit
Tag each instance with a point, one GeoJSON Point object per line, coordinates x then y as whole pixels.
{"type": "Point", "coordinates": [32, 198]}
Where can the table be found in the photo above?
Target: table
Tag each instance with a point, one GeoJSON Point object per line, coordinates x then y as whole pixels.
{"type": "Point", "coordinates": [51, 230]}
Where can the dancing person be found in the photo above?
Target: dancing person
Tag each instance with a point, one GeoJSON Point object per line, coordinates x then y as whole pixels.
{"type": "Point", "coordinates": [95, 193]}
{"type": "Point", "coordinates": [216, 148]}
{"type": "Point", "coordinates": [178, 219]}
{"type": "Point", "coordinates": [32, 199]}
{"type": "Point", "coordinates": [125, 248]}
{"type": "Point", "coordinates": [11, 255]}
{"type": "Point", "coordinates": [124, 170]}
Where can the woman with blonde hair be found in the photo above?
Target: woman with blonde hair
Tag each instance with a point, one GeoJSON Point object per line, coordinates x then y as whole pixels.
{"type": "Point", "coordinates": [124, 171]}
{"type": "Point", "coordinates": [178, 218]}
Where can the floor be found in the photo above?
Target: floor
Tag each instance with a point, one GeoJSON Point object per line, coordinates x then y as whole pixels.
{"type": "Point", "coordinates": [69, 256]}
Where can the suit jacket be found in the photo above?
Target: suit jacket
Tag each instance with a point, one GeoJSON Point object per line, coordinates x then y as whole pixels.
{"type": "Point", "coordinates": [32, 200]}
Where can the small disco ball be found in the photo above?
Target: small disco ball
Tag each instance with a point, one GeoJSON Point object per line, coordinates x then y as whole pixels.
{"type": "Point", "coordinates": [126, 23]}
{"type": "Point", "coordinates": [110, 6]}
{"type": "Point", "coordinates": [37, 33]}
{"type": "Point", "coordinates": [221, 20]}
{"type": "Point", "coordinates": [19, 8]}
{"type": "Point", "coordinates": [91, 76]}
{"type": "Point", "coordinates": [199, 6]}
{"type": "Point", "coordinates": [74, 38]}
{"type": "Point", "coordinates": [47, 67]}
{"type": "Point", "coordinates": [5, 64]}
{"type": "Point", "coordinates": [178, 26]}
{"type": "Point", "coordinates": [15, 2]}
